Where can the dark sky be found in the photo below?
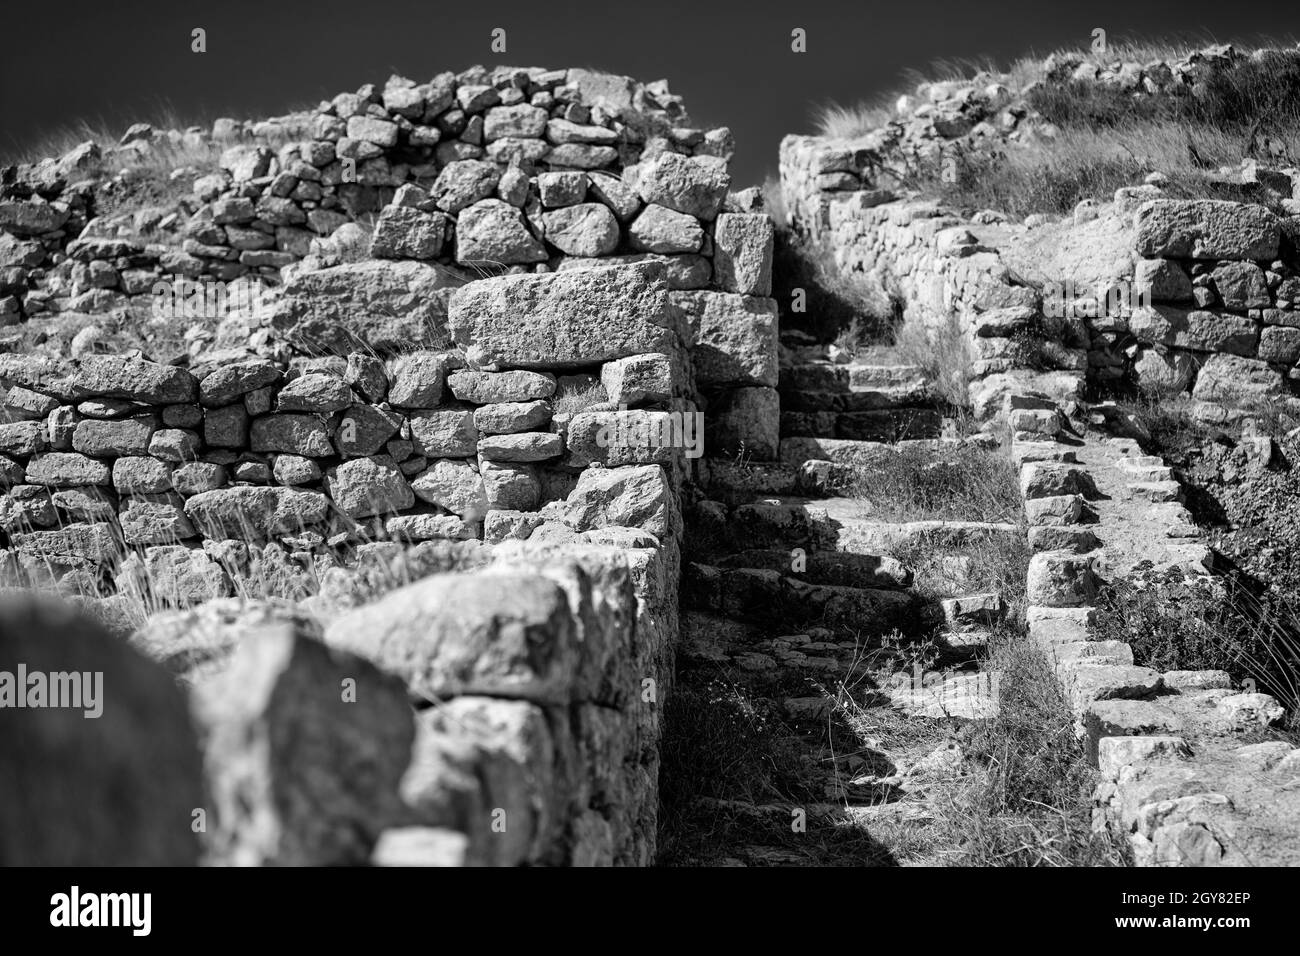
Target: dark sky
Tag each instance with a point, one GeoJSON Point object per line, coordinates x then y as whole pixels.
{"type": "Point", "coordinates": [120, 61]}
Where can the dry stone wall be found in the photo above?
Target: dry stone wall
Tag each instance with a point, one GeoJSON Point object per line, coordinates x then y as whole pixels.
{"type": "Point", "coordinates": [1178, 778]}
{"type": "Point", "coordinates": [448, 473]}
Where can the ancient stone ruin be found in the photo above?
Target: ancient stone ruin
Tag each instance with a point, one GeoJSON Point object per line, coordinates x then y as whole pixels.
{"type": "Point", "coordinates": [409, 474]}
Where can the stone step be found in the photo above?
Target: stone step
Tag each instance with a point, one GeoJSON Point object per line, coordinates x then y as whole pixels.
{"type": "Point", "coordinates": [909, 394]}
{"type": "Point", "coordinates": [797, 449]}
{"type": "Point", "coordinates": [1156, 491]}
{"type": "Point", "coordinates": [963, 695]}
{"type": "Point", "coordinates": [841, 525]}
{"type": "Point", "coordinates": [770, 597]}
{"type": "Point", "coordinates": [884, 425]}
{"type": "Point", "coordinates": [822, 567]}
{"type": "Point", "coordinates": [829, 377]}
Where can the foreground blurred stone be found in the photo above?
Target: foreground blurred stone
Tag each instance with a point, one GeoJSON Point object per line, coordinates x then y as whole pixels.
{"type": "Point", "coordinates": [120, 789]}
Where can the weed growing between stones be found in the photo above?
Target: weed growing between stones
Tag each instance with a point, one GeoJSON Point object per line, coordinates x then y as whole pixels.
{"type": "Point", "coordinates": [980, 562]}
{"type": "Point", "coordinates": [816, 298]}
{"type": "Point", "coordinates": [1030, 804]}
{"type": "Point", "coordinates": [1178, 623]}
{"type": "Point", "coordinates": [916, 483]}
{"type": "Point", "coordinates": [942, 352]}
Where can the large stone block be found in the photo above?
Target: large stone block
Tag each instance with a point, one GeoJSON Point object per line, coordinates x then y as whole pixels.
{"type": "Point", "coordinates": [1230, 379]}
{"type": "Point", "coordinates": [119, 789]}
{"type": "Point", "coordinates": [377, 305]}
{"type": "Point", "coordinates": [734, 337]}
{"type": "Point", "coordinates": [369, 486]}
{"type": "Point", "coordinates": [742, 256]}
{"type": "Point", "coordinates": [306, 747]}
{"type": "Point", "coordinates": [250, 511]}
{"type": "Point", "coordinates": [744, 421]}
{"type": "Point", "coordinates": [1206, 229]}
{"type": "Point", "coordinates": [635, 497]}
{"type": "Point", "coordinates": [476, 757]}
{"type": "Point", "coordinates": [564, 319]}
{"type": "Point", "coordinates": [1061, 579]}
{"type": "Point", "coordinates": [1196, 329]}
{"type": "Point", "coordinates": [100, 376]}
{"type": "Point", "coordinates": [495, 232]}
{"type": "Point", "coordinates": [501, 635]}
{"type": "Point", "coordinates": [695, 186]}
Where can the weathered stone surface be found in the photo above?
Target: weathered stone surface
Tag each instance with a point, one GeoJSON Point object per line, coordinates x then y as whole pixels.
{"type": "Point", "coordinates": [229, 382]}
{"type": "Point", "coordinates": [252, 511]}
{"type": "Point", "coordinates": [506, 635]}
{"type": "Point", "coordinates": [510, 486]}
{"type": "Point", "coordinates": [492, 231]}
{"type": "Point", "coordinates": [195, 477]}
{"type": "Point", "coordinates": [659, 229]}
{"type": "Point", "coordinates": [108, 439]}
{"type": "Point", "coordinates": [428, 528]}
{"type": "Point", "coordinates": [503, 418]}
{"type": "Point", "coordinates": [485, 388]}
{"type": "Point", "coordinates": [1231, 379]}
{"type": "Point", "coordinates": [141, 475]}
{"type": "Point", "coordinates": [22, 438]}
{"type": "Point", "coordinates": [95, 543]}
{"type": "Point", "coordinates": [463, 183]}
{"type": "Point", "coordinates": [1043, 479]}
{"type": "Point", "coordinates": [1249, 711]}
{"type": "Point", "coordinates": [479, 755]}
{"type": "Point", "coordinates": [445, 433]}
{"type": "Point", "coordinates": [369, 486]}
{"type": "Point", "coordinates": [1115, 753]}
{"type": "Point", "coordinates": [226, 427]}
{"type": "Point", "coordinates": [561, 188]}
{"type": "Point", "coordinates": [585, 229]}
{"type": "Point", "coordinates": [636, 497]}
{"type": "Point", "coordinates": [742, 253]}
{"type": "Point", "coordinates": [734, 336]}
{"type": "Point", "coordinates": [615, 193]}
{"type": "Point", "coordinates": [1164, 280]}
{"type": "Point", "coordinates": [295, 470]}
{"type": "Point", "coordinates": [520, 120]}
{"type": "Point", "coordinates": [1161, 372]}
{"type": "Point", "coordinates": [292, 435]}
{"type": "Point", "coordinates": [315, 392]}
{"type": "Point", "coordinates": [405, 233]}
{"type": "Point", "coordinates": [1198, 330]}
{"type": "Point", "coordinates": [745, 420]}
{"type": "Point", "coordinates": [525, 446]}
{"type": "Point", "coordinates": [302, 777]}
{"type": "Point", "coordinates": [58, 469]}
{"type": "Point", "coordinates": [1280, 345]}
{"type": "Point", "coordinates": [453, 485]}
{"type": "Point", "coordinates": [696, 186]}
{"type": "Point", "coordinates": [387, 306]}
{"type": "Point", "coordinates": [564, 319]}
{"type": "Point", "coordinates": [1061, 579]}
{"type": "Point", "coordinates": [1241, 286]}
{"type": "Point", "coordinates": [639, 378]}
{"type": "Point", "coordinates": [365, 429]}
{"type": "Point", "coordinates": [117, 790]}
{"type": "Point", "coordinates": [417, 379]}
{"type": "Point", "coordinates": [1206, 229]}
{"type": "Point", "coordinates": [154, 519]}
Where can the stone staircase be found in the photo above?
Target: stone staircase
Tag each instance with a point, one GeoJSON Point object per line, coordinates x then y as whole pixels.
{"type": "Point", "coordinates": [858, 401]}
{"type": "Point", "coordinates": [793, 596]}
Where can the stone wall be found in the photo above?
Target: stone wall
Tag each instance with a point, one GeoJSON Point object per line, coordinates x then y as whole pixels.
{"type": "Point", "coordinates": [1223, 321]}
{"type": "Point", "coordinates": [449, 472]}
{"type": "Point", "coordinates": [1178, 780]}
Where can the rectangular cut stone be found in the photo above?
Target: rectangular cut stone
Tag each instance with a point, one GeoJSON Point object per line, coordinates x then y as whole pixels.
{"type": "Point", "coordinates": [734, 337]}
{"type": "Point", "coordinates": [564, 319]}
{"type": "Point", "coordinates": [1206, 229]}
